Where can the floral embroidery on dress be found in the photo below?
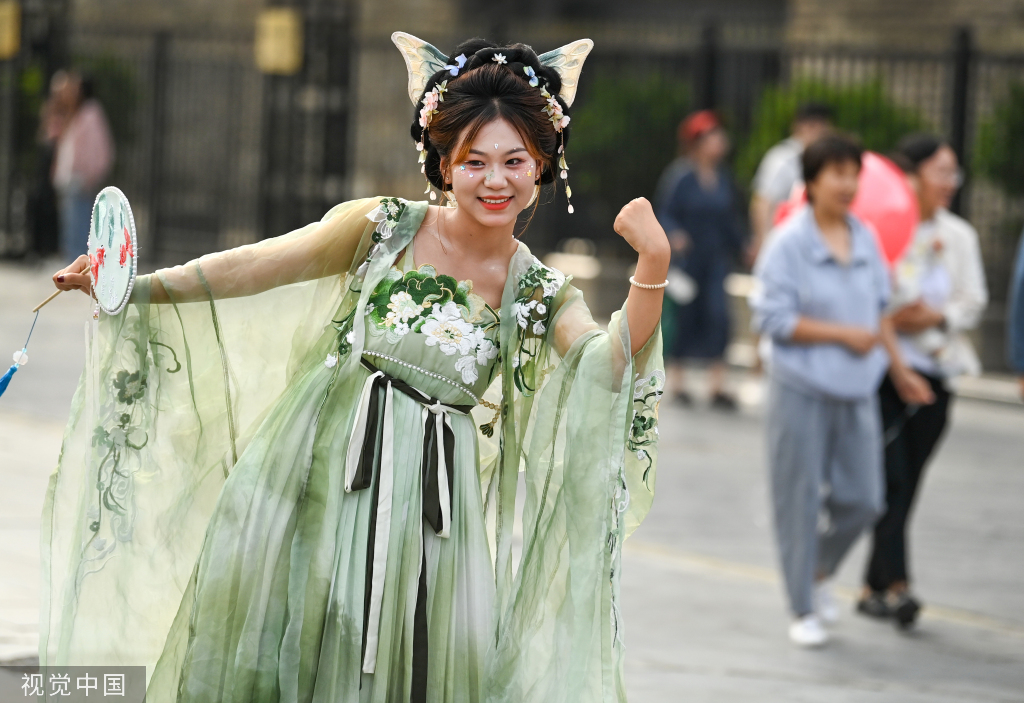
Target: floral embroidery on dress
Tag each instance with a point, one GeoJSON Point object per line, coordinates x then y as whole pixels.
{"type": "Point", "coordinates": [117, 441]}
{"type": "Point", "coordinates": [440, 308]}
{"type": "Point", "coordinates": [532, 309]}
{"type": "Point", "coordinates": [620, 504]}
{"type": "Point", "coordinates": [386, 215]}
{"type": "Point", "coordinates": [643, 431]}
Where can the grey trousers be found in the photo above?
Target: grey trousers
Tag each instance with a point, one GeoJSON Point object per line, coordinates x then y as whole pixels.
{"type": "Point", "coordinates": [827, 482]}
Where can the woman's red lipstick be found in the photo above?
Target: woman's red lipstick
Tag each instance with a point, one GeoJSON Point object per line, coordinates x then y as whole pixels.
{"type": "Point", "coordinates": [496, 206]}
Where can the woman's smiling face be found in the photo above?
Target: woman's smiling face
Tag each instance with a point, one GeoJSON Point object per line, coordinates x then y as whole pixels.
{"type": "Point", "coordinates": [496, 180]}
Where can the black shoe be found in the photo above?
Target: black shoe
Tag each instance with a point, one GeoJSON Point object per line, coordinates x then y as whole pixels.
{"type": "Point", "coordinates": [905, 609]}
{"type": "Point", "coordinates": [723, 402]}
{"type": "Point", "coordinates": [683, 398]}
{"type": "Point", "coordinates": [874, 606]}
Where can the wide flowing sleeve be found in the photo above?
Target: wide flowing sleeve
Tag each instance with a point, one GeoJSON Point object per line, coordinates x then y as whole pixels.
{"type": "Point", "coordinates": [170, 397]}
{"type": "Point", "coordinates": [580, 425]}
{"type": "Point", "coordinates": [318, 250]}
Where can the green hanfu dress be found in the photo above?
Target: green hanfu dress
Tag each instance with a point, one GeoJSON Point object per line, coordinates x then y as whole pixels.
{"type": "Point", "coordinates": [281, 485]}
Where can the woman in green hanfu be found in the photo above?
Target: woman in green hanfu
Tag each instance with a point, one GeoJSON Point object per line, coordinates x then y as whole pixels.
{"type": "Point", "coordinates": [291, 468]}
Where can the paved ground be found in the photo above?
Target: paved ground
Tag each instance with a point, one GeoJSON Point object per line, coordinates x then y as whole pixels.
{"type": "Point", "coordinates": [704, 607]}
{"type": "Point", "coordinates": [702, 602]}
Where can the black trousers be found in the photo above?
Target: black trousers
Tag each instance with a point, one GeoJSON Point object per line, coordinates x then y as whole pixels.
{"type": "Point", "coordinates": [911, 438]}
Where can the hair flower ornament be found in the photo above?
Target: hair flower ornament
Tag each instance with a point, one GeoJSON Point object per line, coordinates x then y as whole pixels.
{"type": "Point", "coordinates": [454, 70]}
{"type": "Point", "coordinates": [554, 111]}
{"type": "Point", "coordinates": [499, 59]}
{"type": "Point", "coordinates": [431, 100]}
{"type": "Point", "coordinates": [532, 75]}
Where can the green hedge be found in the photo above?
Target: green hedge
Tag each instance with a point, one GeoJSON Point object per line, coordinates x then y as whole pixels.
{"type": "Point", "coordinates": [999, 152]}
{"type": "Point", "coordinates": [116, 87]}
{"type": "Point", "coordinates": [624, 134]}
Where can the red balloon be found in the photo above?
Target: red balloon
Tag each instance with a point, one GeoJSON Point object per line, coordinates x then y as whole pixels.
{"type": "Point", "coordinates": [885, 202]}
{"type": "Point", "coordinates": [797, 199]}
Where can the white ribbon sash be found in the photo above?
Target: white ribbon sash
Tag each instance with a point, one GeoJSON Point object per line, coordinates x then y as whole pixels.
{"type": "Point", "coordinates": [385, 493]}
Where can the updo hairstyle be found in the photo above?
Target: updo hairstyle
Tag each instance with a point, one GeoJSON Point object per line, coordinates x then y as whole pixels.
{"type": "Point", "coordinates": [485, 90]}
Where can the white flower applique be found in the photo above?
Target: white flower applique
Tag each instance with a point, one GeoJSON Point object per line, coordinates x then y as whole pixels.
{"type": "Point", "coordinates": [401, 310]}
{"type": "Point", "coordinates": [446, 329]}
{"type": "Point", "coordinates": [482, 350]}
{"type": "Point", "coordinates": [530, 313]}
{"type": "Point", "coordinates": [554, 282]}
{"type": "Point", "coordinates": [386, 215]}
{"type": "Point", "coordinates": [486, 349]}
{"type": "Point", "coordinates": [466, 365]}
{"type": "Point", "coordinates": [521, 311]}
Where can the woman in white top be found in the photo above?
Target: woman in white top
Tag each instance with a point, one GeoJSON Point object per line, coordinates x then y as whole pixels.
{"type": "Point", "coordinates": [939, 294]}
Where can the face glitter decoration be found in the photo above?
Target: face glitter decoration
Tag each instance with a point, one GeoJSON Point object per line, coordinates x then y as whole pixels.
{"type": "Point", "coordinates": [489, 176]}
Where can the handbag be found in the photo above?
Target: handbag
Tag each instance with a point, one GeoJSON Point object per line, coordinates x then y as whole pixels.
{"type": "Point", "coordinates": [682, 289]}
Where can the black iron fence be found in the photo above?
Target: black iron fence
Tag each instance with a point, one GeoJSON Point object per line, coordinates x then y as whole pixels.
{"type": "Point", "coordinates": [879, 95]}
{"type": "Point", "coordinates": [212, 154]}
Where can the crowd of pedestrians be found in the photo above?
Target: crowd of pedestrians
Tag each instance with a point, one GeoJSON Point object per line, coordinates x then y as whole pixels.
{"type": "Point", "coordinates": [861, 357]}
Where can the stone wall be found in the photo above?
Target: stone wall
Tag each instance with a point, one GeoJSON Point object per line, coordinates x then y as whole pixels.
{"type": "Point", "coordinates": [905, 24]}
{"type": "Point", "coordinates": [385, 162]}
{"type": "Point", "coordinates": [175, 15]}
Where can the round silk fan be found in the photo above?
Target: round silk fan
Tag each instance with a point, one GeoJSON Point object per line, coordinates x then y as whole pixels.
{"type": "Point", "coordinates": [113, 250]}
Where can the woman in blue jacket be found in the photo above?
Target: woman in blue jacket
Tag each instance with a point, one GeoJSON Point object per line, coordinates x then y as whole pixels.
{"type": "Point", "coordinates": [823, 288]}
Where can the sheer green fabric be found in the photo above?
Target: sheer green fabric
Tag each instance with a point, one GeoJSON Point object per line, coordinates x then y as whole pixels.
{"type": "Point", "coordinates": [198, 522]}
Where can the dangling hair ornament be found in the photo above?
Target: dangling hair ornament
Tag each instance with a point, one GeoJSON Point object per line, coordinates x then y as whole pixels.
{"type": "Point", "coordinates": [423, 60]}
{"type": "Point", "coordinates": [559, 121]}
{"type": "Point", "coordinates": [427, 112]}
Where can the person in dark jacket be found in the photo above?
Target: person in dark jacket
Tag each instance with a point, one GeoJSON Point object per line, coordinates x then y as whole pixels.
{"type": "Point", "coordinates": [697, 205]}
{"type": "Point", "coordinates": [1015, 318]}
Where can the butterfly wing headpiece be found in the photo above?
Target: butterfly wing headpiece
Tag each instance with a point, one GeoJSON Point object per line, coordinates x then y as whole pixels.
{"type": "Point", "coordinates": [568, 62]}
{"type": "Point", "coordinates": [423, 60]}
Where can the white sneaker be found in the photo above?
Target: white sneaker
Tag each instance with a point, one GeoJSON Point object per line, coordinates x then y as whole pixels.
{"type": "Point", "coordinates": [808, 631]}
{"type": "Point", "coordinates": [825, 605]}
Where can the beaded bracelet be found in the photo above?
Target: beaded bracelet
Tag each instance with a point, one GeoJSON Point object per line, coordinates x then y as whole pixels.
{"type": "Point", "coordinates": [647, 286]}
